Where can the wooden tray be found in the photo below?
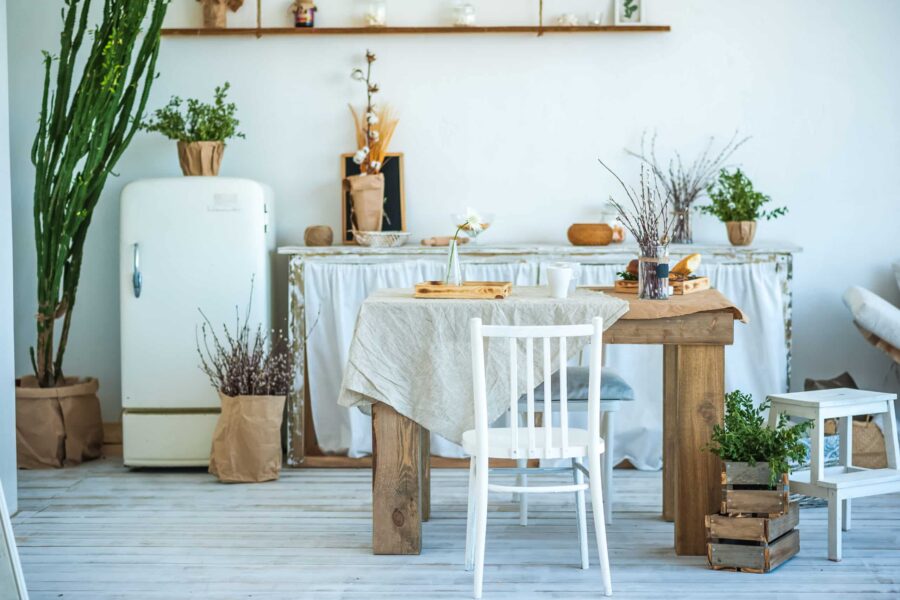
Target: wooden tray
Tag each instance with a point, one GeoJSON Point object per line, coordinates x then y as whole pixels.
{"type": "Point", "coordinates": [679, 287]}
{"type": "Point", "coordinates": [478, 290]}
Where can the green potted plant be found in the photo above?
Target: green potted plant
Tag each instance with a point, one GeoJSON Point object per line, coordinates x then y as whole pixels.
{"type": "Point", "coordinates": [738, 205]}
{"type": "Point", "coordinates": [746, 441]}
{"type": "Point", "coordinates": [201, 131]}
{"type": "Point", "coordinates": [85, 124]}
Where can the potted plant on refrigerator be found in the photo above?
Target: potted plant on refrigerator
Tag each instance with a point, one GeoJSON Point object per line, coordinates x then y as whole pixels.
{"type": "Point", "coordinates": [373, 135]}
{"type": "Point", "coordinates": [739, 206]}
{"type": "Point", "coordinates": [252, 374]}
{"type": "Point", "coordinates": [200, 132]}
{"type": "Point", "coordinates": [84, 126]}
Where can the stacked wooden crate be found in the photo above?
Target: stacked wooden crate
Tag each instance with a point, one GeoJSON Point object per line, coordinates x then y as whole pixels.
{"type": "Point", "coordinates": [755, 530]}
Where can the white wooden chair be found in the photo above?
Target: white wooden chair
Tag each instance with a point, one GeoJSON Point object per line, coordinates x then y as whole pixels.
{"type": "Point", "coordinates": [532, 442]}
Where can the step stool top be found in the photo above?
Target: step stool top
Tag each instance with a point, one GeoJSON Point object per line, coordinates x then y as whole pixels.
{"type": "Point", "coordinates": [831, 398]}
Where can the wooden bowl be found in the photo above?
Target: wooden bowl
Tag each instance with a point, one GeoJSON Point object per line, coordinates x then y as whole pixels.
{"type": "Point", "coordinates": [590, 234]}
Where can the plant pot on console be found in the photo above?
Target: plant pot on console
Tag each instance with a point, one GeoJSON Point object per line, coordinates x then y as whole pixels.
{"type": "Point", "coordinates": [741, 233]}
{"type": "Point", "coordinates": [200, 158]}
{"type": "Point", "coordinates": [57, 426]}
{"type": "Point", "coordinates": [366, 200]}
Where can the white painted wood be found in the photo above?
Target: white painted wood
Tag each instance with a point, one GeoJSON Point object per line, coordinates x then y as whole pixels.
{"type": "Point", "coordinates": [609, 439]}
{"type": "Point", "coordinates": [839, 485]}
{"type": "Point", "coordinates": [102, 532]}
{"type": "Point", "coordinates": [548, 442]}
{"type": "Point", "coordinates": [890, 437]}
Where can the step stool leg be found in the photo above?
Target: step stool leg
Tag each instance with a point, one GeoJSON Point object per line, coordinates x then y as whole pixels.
{"type": "Point", "coordinates": [890, 436]}
{"type": "Point", "coordinates": [817, 450]}
{"type": "Point", "coordinates": [845, 511]}
{"type": "Point", "coordinates": [845, 433]}
{"type": "Point", "coordinates": [834, 525]}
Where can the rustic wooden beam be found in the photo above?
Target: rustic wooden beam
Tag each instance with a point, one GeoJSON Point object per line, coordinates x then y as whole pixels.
{"type": "Point", "coordinates": [714, 328]}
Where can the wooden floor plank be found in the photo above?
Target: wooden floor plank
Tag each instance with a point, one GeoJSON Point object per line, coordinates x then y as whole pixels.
{"type": "Point", "coordinates": [102, 532]}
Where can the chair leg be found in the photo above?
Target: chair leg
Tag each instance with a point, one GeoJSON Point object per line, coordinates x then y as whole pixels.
{"type": "Point", "coordinates": [581, 513]}
{"type": "Point", "coordinates": [834, 526]}
{"type": "Point", "coordinates": [595, 467]}
{"type": "Point", "coordinates": [481, 500]}
{"type": "Point", "coordinates": [522, 480]}
{"type": "Point", "coordinates": [470, 518]}
{"type": "Point", "coordinates": [607, 433]}
{"type": "Point", "coordinates": [845, 512]}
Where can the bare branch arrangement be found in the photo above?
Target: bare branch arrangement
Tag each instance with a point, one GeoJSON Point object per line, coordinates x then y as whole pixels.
{"type": "Point", "coordinates": [239, 364]}
{"type": "Point", "coordinates": [683, 183]}
{"type": "Point", "coordinates": [649, 218]}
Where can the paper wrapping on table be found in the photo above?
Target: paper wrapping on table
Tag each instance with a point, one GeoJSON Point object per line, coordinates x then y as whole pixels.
{"type": "Point", "coordinates": [246, 446]}
{"type": "Point", "coordinates": [676, 305]}
{"type": "Point", "coordinates": [57, 426]}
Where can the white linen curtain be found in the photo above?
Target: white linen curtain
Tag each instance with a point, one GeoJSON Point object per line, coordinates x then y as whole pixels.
{"type": "Point", "coordinates": [756, 363]}
{"type": "Point", "coordinates": [334, 293]}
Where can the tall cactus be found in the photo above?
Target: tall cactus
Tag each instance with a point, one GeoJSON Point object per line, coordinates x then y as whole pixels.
{"type": "Point", "coordinates": [83, 129]}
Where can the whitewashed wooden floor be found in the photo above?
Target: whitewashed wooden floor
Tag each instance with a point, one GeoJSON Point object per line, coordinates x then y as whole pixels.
{"type": "Point", "coordinates": [100, 532]}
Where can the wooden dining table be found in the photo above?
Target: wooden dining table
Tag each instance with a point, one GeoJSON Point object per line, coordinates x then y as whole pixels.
{"type": "Point", "coordinates": [693, 401]}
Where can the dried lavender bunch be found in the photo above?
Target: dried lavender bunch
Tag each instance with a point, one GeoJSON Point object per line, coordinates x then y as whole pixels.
{"type": "Point", "coordinates": [649, 218]}
{"type": "Point", "coordinates": [685, 184]}
{"type": "Point", "coordinates": [239, 364]}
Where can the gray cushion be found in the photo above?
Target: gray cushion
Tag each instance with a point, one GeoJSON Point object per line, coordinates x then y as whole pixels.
{"type": "Point", "coordinates": [612, 385]}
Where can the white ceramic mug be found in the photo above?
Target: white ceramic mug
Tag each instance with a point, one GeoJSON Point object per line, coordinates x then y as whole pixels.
{"type": "Point", "coordinates": [559, 277]}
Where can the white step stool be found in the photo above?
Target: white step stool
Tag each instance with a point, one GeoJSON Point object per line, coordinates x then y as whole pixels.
{"type": "Point", "coordinates": [840, 483]}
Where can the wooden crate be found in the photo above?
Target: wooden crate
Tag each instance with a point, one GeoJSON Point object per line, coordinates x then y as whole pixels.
{"type": "Point", "coordinates": [752, 557]}
{"type": "Point", "coordinates": [480, 290]}
{"type": "Point", "coordinates": [752, 529]}
{"type": "Point", "coordinates": [746, 491]}
{"type": "Point", "coordinates": [679, 286]}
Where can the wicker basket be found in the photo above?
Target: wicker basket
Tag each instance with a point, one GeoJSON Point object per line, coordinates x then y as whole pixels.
{"type": "Point", "coordinates": [381, 239]}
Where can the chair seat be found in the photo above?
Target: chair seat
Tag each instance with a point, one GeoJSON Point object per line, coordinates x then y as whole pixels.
{"type": "Point", "coordinates": [500, 443]}
{"type": "Point", "coordinates": [613, 386]}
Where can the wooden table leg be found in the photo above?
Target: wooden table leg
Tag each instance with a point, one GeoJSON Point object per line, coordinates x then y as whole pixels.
{"type": "Point", "coordinates": [396, 482]}
{"type": "Point", "coordinates": [425, 468]}
{"type": "Point", "coordinates": [670, 435]}
{"type": "Point", "coordinates": [700, 398]}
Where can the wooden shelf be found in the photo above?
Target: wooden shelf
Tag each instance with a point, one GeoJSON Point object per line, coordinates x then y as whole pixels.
{"type": "Point", "coordinates": [204, 32]}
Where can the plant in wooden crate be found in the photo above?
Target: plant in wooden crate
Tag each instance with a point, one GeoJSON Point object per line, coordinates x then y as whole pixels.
{"type": "Point", "coordinates": [650, 221]}
{"type": "Point", "coordinates": [374, 130]}
{"type": "Point", "coordinates": [755, 528]}
{"type": "Point", "coordinates": [85, 125]}
{"type": "Point", "coordinates": [685, 183]}
{"type": "Point", "coordinates": [201, 131]}
{"type": "Point", "coordinates": [252, 373]}
{"type": "Point", "coordinates": [738, 205]}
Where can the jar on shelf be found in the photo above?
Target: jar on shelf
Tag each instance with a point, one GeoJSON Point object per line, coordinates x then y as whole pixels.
{"type": "Point", "coordinates": [376, 14]}
{"type": "Point", "coordinates": [464, 15]}
{"type": "Point", "coordinates": [610, 216]}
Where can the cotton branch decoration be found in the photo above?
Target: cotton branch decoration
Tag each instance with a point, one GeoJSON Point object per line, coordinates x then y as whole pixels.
{"type": "Point", "coordinates": [684, 183]}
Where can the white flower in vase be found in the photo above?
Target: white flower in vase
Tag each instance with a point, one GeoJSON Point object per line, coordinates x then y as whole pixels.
{"type": "Point", "coordinates": [374, 135]}
{"type": "Point", "coordinates": [474, 223]}
{"type": "Point", "coordinates": [371, 118]}
{"type": "Point", "coordinates": [361, 155]}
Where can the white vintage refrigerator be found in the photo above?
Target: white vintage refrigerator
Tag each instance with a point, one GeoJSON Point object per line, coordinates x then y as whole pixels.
{"type": "Point", "coordinates": [186, 244]}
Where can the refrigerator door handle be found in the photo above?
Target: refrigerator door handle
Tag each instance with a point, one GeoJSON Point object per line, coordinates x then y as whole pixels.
{"type": "Point", "coordinates": [137, 279]}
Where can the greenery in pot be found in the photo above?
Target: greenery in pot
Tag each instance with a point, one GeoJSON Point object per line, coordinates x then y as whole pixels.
{"type": "Point", "coordinates": [201, 122]}
{"type": "Point", "coordinates": [734, 199]}
{"type": "Point", "coordinates": [746, 438]}
{"type": "Point", "coordinates": [84, 127]}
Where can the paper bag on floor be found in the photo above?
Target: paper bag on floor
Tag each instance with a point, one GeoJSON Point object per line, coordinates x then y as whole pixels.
{"type": "Point", "coordinates": [246, 445]}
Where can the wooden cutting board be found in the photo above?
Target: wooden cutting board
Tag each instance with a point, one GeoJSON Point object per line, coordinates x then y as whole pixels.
{"type": "Point", "coordinates": [679, 287]}
{"type": "Point", "coordinates": [476, 290]}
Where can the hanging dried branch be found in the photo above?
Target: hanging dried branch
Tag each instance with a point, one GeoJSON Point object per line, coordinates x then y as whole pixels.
{"type": "Point", "coordinates": [648, 218]}
{"type": "Point", "coordinates": [686, 184]}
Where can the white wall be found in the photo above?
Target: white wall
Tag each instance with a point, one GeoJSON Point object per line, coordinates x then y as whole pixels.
{"type": "Point", "coordinates": [7, 362]}
{"type": "Point", "coordinates": [513, 125]}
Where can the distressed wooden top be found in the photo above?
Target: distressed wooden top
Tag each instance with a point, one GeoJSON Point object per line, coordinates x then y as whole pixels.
{"type": "Point", "coordinates": [831, 398]}
{"type": "Point", "coordinates": [625, 251]}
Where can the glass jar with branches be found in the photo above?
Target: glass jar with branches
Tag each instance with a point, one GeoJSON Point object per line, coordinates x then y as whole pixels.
{"type": "Point", "coordinates": [649, 219]}
{"type": "Point", "coordinates": [686, 183]}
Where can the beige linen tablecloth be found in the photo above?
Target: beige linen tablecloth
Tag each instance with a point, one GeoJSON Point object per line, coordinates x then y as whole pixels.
{"type": "Point", "coordinates": [413, 354]}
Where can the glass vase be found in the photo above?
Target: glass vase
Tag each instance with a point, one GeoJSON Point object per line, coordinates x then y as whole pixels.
{"type": "Point", "coordinates": [681, 229]}
{"type": "Point", "coordinates": [453, 275]}
{"type": "Point", "coordinates": [653, 273]}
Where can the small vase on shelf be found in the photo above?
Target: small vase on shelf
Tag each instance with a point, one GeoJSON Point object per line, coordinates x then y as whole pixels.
{"type": "Point", "coordinates": [453, 275]}
{"type": "Point", "coordinates": [653, 273]}
{"type": "Point", "coordinates": [681, 229]}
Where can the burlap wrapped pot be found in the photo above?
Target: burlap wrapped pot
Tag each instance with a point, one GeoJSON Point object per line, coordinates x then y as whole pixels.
{"type": "Point", "coordinates": [246, 446]}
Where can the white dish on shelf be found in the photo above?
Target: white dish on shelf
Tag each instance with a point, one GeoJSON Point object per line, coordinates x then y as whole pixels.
{"type": "Point", "coordinates": [381, 239]}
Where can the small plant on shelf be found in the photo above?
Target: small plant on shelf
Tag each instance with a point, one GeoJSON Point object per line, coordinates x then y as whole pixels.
{"type": "Point", "coordinates": [200, 131]}
{"type": "Point", "coordinates": [629, 7]}
{"type": "Point", "coordinates": [746, 438]}
{"type": "Point", "coordinates": [737, 204]}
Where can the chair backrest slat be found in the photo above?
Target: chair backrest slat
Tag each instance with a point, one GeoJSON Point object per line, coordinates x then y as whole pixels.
{"type": "Point", "coordinates": [547, 334]}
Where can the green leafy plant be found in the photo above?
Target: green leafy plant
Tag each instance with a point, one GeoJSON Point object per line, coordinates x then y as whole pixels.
{"type": "Point", "coordinates": [746, 438]}
{"type": "Point", "coordinates": [629, 7]}
{"type": "Point", "coordinates": [84, 127]}
{"type": "Point", "coordinates": [202, 122]}
{"type": "Point", "coordinates": [626, 276]}
{"type": "Point", "coordinates": [734, 199]}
